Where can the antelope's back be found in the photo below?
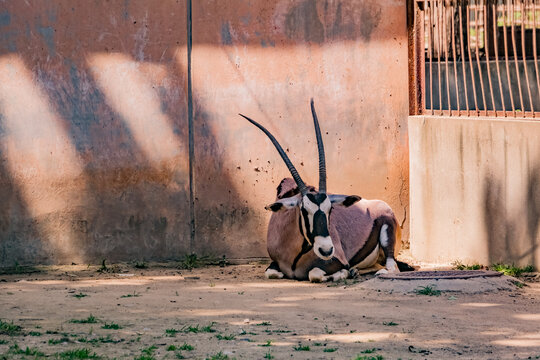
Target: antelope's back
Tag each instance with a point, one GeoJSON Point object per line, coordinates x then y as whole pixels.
{"type": "Point", "coordinates": [353, 225]}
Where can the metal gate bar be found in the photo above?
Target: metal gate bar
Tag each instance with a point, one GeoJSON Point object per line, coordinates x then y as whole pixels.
{"type": "Point", "coordinates": [472, 34]}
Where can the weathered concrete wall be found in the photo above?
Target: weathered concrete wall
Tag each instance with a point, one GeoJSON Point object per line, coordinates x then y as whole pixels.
{"type": "Point", "coordinates": [94, 125]}
{"type": "Point", "coordinates": [265, 59]}
{"type": "Point", "coordinates": [475, 190]}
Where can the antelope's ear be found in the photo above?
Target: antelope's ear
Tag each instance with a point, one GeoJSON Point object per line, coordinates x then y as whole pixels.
{"type": "Point", "coordinates": [344, 200]}
{"type": "Point", "coordinates": [284, 204]}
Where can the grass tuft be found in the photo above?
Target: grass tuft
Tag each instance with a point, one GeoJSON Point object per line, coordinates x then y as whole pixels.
{"type": "Point", "coordinates": [329, 350]}
{"type": "Point", "coordinates": [111, 326]}
{"type": "Point", "coordinates": [78, 354]}
{"type": "Point", "coordinates": [196, 329]}
{"type": "Point", "coordinates": [428, 290]}
{"type": "Point", "coordinates": [366, 357]}
{"type": "Point", "coordinates": [219, 356]}
{"type": "Point", "coordinates": [368, 351]}
{"type": "Point", "coordinates": [458, 265]}
{"type": "Point", "coordinates": [80, 295]}
{"type": "Point", "coordinates": [10, 329]}
{"type": "Point", "coordinates": [130, 295]}
{"type": "Point", "coordinates": [225, 337]}
{"type": "Point", "coordinates": [89, 320]}
{"type": "Point", "coordinates": [512, 270]}
{"type": "Point", "coordinates": [301, 347]}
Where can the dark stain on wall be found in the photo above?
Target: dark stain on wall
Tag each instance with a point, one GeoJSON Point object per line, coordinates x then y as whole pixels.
{"type": "Point", "coordinates": [370, 17]}
{"type": "Point", "coordinates": [303, 22]}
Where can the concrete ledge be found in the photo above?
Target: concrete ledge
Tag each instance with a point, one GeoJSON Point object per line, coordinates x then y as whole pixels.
{"type": "Point", "coordinates": [475, 189]}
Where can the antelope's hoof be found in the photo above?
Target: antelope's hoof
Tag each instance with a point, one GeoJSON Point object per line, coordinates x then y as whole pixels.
{"type": "Point", "coordinates": [273, 274]}
{"type": "Point", "coordinates": [317, 275]}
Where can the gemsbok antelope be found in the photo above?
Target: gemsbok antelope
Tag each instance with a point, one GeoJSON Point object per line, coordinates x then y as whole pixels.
{"type": "Point", "coordinates": [324, 237]}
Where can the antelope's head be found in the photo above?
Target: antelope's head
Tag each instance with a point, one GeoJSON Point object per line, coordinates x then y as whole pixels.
{"type": "Point", "coordinates": [315, 206]}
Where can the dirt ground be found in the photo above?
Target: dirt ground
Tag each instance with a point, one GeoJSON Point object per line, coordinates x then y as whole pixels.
{"type": "Point", "coordinates": [234, 312]}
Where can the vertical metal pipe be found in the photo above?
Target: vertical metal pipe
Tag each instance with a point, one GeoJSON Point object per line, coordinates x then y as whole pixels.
{"type": "Point", "coordinates": [444, 9]}
{"type": "Point", "coordinates": [486, 46]}
{"type": "Point", "coordinates": [439, 40]}
{"type": "Point", "coordinates": [523, 16]}
{"type": "Point", "coordinates": [463, 66]}
{"type": "Point", "coordinates": [496, 48]}
{"type": "Point", "coordinates": [470, 58]}
{"type": "Point", "coordinates": [534, 49]}
{"type": "Point", "coordinates": [514, 49]}
{"type": "Point", "coordinates": [430, 52]}
{"type": "Point", "coordinates": [477, 48]}
{"type": "Point", "coordinates": [191, 139]}
{"type": "Point", "coordinates": [455, 59]}
{"type": "Point", "coordinates": [505, 11]}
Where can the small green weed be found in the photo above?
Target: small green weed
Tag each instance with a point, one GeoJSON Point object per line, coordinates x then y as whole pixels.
{"type": "Point", "coordinates": [140, 265]}
{"type": "Point", "coordinates": [264, 323]}
{"type": "Point", "coordinates": [519, 284]}
{"type": "Point", "coordinates": [77, 354]}
{"type": "Point", "coordinates": [428, 290]}
{"type": "Point", "coordinates": [301, 347]}
{"type": "Point", "coordinates": [330, 350]}
{"type": "Point", "coordinates": [512, 270]}
{"type": "Point", "coordinates": [326, 330]}
{"type": "Point", "coordinates": [268, 355]}
{"type": "Point", "coordinates": [171, 348]}
{"type": "Point", "coordinates": [368, 351]}
{"type": "Point", "coordinates": [268, 343]}
{"type": "Point", "coordinates": [130, 295]}
{"type": "Point", "coordinates": [366, 357]}
{"type": "Point", "coordinates": [219, 356]}
{"type": "Point", "coordinates": [390, 323]}
{"type": "Point", "coordinates": [80, 295]}
{"type": "Point", "coordinates": [171, 332]}
{"type": "Point", "coordinates": [187, 347]}
{"type": "Point", "coordinates": [111, 326]}
{"type": "Point", "coordinates": [10, 329]}
{"type": "Point", "coordinates": [145, 357]}
{"type": "Point", "coordinates": [189, 262]}
{"type": "Point", "coordinates": [34, 333]}
{"type": "Point", "coordinates": [149, 350]}
{"type": "Point", "coordinates": [196, 329]}
{"type": "Point", "coordinates": [225, 337]}
{"type": "Point", "coordinates": [458, 265]}
{"type": "Point", "coordinates": [89, 320]}
{"type": "Point", "coordinates": [3, 342]}
{"type": "Point", "coordinates": [101, 340]}
{"type": "Point", "coordinates": [16, 350]}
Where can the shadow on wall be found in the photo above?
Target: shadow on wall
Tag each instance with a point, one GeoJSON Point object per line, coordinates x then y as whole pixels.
{"type": "Point", "coordinates": [94, 151]}
{"type": "Point", "coordinates": [94, 156]}
{"type": "Point", "coordinates": [508, 229]}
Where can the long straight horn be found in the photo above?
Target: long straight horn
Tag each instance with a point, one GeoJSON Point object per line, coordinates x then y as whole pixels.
{"type": "Point", "coordinates": [301, 185]}
{"type": "Point", "coordinates": [320, 146]}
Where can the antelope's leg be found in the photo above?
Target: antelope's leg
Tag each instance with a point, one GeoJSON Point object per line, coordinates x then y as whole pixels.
{"type": "Point", "coordinates": [273, 271]}
{"type": "Point", "coordinates": [339, 275]}
{"type": "Point", "coordinates": [317, 275]}
{"type": "Point", "coordinates": [387, 239]}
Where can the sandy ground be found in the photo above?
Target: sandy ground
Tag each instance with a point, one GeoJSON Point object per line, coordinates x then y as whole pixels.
{"type": "Point", "coordinates": [247, 313]}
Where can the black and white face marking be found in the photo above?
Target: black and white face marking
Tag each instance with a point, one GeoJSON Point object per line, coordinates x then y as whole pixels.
{"type": "Point", "coordinates": [315, 209]}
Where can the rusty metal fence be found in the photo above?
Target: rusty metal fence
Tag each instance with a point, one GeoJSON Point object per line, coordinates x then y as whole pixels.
{"type": "Point", "coordinates": [475, 57]}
